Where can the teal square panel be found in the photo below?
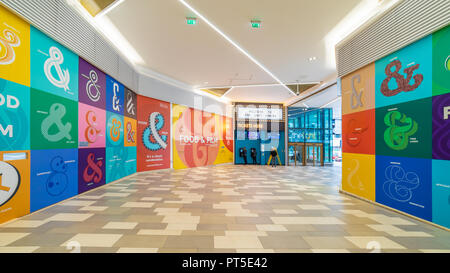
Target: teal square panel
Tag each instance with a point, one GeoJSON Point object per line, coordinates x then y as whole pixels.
{"type": "Point", "coordinates": [441, 193]}
{"type": "Point", "coordinates": [120, 162]}
{"type": "Point", "coordinates": [14, 116]}
{"type": "Point", "coordinates": [54, 68]}
{"type": "Point", "coordinates": [404, 75]}
{"type": "Point", "coordinates": [114, 130]}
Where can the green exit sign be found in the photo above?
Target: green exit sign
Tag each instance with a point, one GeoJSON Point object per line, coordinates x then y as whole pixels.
{"type": "Point", "coordinates": [191, 21]}
{"type": "Point", "coordinates": [256, 24]}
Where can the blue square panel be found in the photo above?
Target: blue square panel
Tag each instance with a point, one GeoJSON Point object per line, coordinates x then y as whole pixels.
{"type": "Point", "coordinates": [404, 184]}
{"type": "Point", "coordinates": [115, 94]}
{"type": "Point", "coordinates": [54, 177]}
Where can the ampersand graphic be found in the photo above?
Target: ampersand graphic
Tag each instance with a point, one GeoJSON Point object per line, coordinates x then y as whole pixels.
{"type": "Point", "coordinates": [402, 82]}
{"type": "Point", "coordinates": [91, 132]}
{"type": "Point", "coordinates": [130, 133]}
{"type": "Point", "coordinates": [58, 180]}
{"type": "Point", "coordinates": [352, 173]}
{"type": "Point", "coordinates": [93, 171]}
{"type": "Point", "coordinates": [397, 135]}
{"type": "Point", "coordinates": [7, 44]}
{"type": "Point", "coordinates": [115, 130]}
{"type": "Point", "coordinates": [356, 130]}
{"type": "Point", "coordinates": [9, 182]}
{"type": "Point", "coordinates": [151, 138]}
{"type": "Point", "coordinates": [92, 84]}
{"type": "Point", "coordinates": [355, 96]}
{"type": "Point", "coordinates": [57, 112]}
{"type": "Point", "coordinates": [400, 184]}
{"type": "Point", "coordinates": [55, 61]}
{"type": "Point", "coordinates": [116, 100]}
{"type": "Point", "coordinates": [130, 105]}
{"type": "Point", "coordinates": [447, 63]}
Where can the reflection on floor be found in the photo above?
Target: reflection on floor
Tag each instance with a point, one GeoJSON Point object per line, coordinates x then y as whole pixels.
{"type": "Point", "coordinates": [222, 209]}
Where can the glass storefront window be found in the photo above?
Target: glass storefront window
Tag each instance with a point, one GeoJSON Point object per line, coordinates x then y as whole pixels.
{"type": "Point", "coordinates": [307, 125]}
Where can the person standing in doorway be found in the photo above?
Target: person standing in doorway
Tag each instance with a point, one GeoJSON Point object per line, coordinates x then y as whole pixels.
{"type": "Point", "coordinates": [274, 155]}
{"type": "Point", "coordinates": [253, 155]}
{"type": "Point", "coordinates": [245, 156]}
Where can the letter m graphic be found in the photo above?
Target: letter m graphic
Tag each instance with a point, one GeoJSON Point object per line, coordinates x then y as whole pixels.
{"type": "Point", "coordinates": [7, 130]}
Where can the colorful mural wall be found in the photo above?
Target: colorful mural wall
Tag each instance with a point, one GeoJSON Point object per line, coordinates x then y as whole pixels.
{"type": "Point", "coordinates": [200, 138]}
{"type": "Point", "coordinates": [62, 124]}
{"type": "Point", "coordinates": [66, 127]}
{"type": "Point", "coordinates": [396, 129]}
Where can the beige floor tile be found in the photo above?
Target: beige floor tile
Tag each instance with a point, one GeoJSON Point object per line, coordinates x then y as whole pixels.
{"type": "Point", "coordinates": [7, 238]}
{"type": "Point", "coordinates": [271, 228]}
{"type": "Point", "coordinates": [137, 250]}
{"type": "Point", "coordinates": [313, 207]}
{"type": "Point", "coordinates": [93, 208]}
{"type": "Point", "coordinates": [307, 221]}
{"type": "Point", "coordinates": [25, 224]}
{"type": "Point", "coordinates": [435, 250]}
{"type": "Point", "coordinates": [77, 203]}
{"type": "Point", "coordinates": [284, 211]}
{"type": "Point", "coordinates": [369, 242]}
{"type": "Point", "coordinates": [94, 240]}
{"type": "Point", "coordinates": [254, 250]}
{"type": "Point", "coordinates": [70, 217]}
{"type": "Point", "coordinates": [178, 226]}
{"type": "Point", "coordinates": [237, 242]}
{"type": "Point", "coordinates": [158, 232]}
{"type": "Point", "coordinates": [120, 225]}
{"type": "Point", "coordinates": [18, 249]}
{"type": "Point", "coordinates": [138, 205]}
{"type": "Point", "coordinates": [244, 233]}
{"type": "Point", "coordinates": [330, 251]}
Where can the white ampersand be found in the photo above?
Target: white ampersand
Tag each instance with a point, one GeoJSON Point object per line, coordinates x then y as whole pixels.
{"type": "Point", "coordinates": [116, 100]}
{"type": "Point", "coordinates": [55, 60]}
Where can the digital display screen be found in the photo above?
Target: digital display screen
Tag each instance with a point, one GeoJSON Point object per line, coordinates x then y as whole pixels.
{"type": "Point", "coordinates": [274, 135]}
{"type": "Point", "coordinates": [253, 135]}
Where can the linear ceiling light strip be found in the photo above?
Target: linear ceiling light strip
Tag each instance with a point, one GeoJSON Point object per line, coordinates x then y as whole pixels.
{"type": "Point", "coordinates": [235, 45]}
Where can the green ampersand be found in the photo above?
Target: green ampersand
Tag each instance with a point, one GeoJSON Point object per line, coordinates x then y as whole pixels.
{"type": "Point", "coordinates": [397, 134]}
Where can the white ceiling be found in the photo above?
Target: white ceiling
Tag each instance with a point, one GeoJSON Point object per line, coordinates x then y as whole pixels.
{"type": "Point", "coordinates": [292, 32]}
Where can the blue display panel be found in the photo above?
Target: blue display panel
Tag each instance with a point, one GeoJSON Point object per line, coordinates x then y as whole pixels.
{"type": "Point", "coordinates": [115, 94]}
{"type": "Point", "coordinates": [404, 184]}
{"type": "Point", "coordinates": [54, 177]}
{"type": "Point", "coordinates": [404, 75]}
{"type": "Point", "coordinates": [441, 193]}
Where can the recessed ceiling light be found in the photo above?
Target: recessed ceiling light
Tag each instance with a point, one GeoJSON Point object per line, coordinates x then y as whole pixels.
{"type": "Point", "coordinates": [312, 59]}
{"type": "Point", "coordinates": [243, 51]}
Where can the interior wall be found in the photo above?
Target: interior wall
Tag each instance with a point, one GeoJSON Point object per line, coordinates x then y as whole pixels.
{"type": "Point", "coordinates": [68, 127]}
{"type": "Point", "coordinates": [396, 130]}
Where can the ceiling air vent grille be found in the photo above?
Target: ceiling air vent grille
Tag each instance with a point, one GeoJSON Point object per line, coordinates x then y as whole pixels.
{"type": "Point", "coordinates": [404, 24]}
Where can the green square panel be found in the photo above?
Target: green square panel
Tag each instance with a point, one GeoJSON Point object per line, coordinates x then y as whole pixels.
{"type": "Point", "coordinates": [404, 129]}
{"type": "Point", "coordinates": [54, 122]}
{"type": "Point", "coordinates": [441, 61]}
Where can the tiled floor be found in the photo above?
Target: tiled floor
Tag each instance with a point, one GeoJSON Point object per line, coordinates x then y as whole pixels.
{"type": "Point", "coordinates": [222, 209]}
